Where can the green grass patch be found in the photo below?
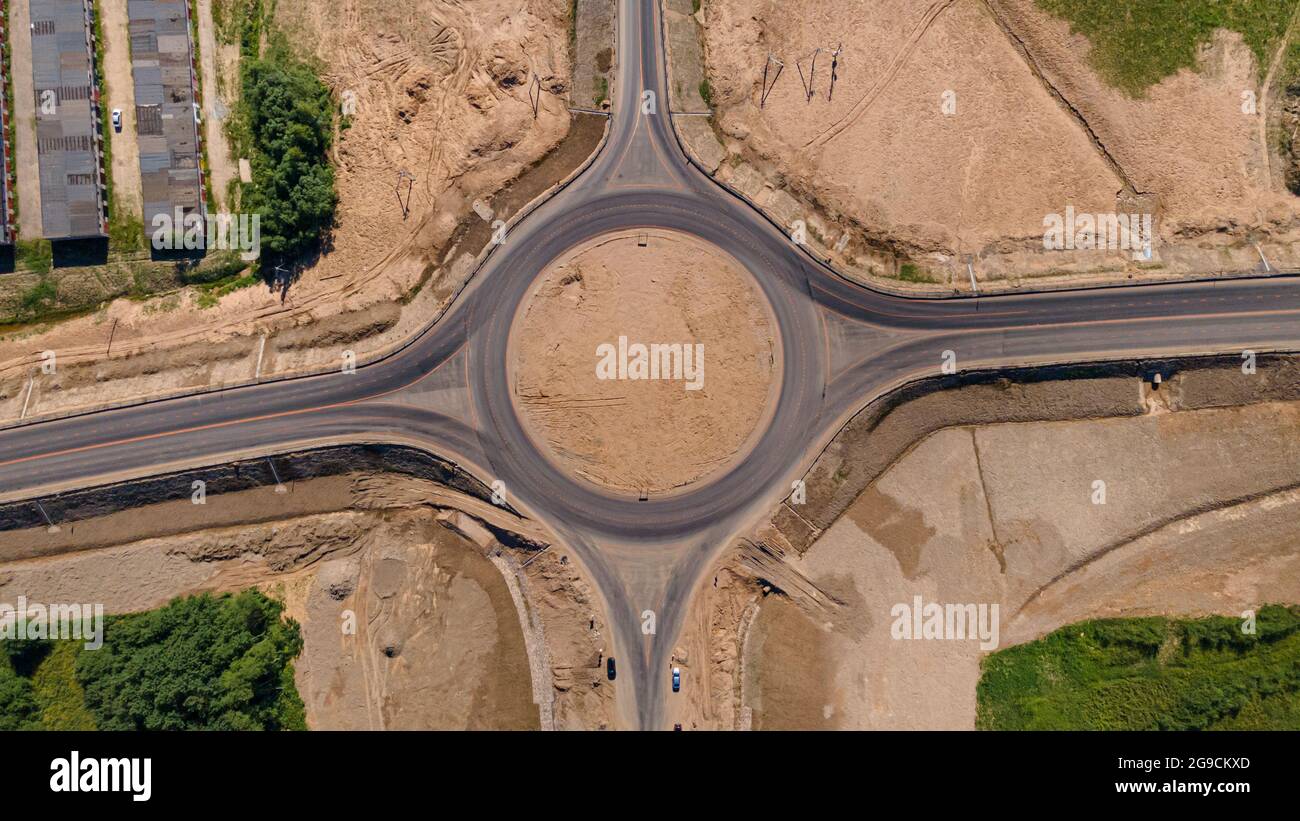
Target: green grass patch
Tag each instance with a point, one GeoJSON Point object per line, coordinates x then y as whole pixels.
{"type": "Point", "coordinates": [911, 272]}
{"type": "Point", "coordinates": [284, 125]}
{"type": "Point", "coordinates": [199, 663]}
{"type": "Point", "coordinates": [241, 22]}
{"type": "Point", "coordinates": [1137, 43]}
{"type": "Point", "coordinates": [210, 294]}
{"type": "Point", "coordinates": [125, 230]}
{"type": "Point", "coordinates": [10, 133]}
{"type": "Point", "coordinates": [57, 692]}
{"type": "Point", "coordinates": [105, 116]}
{"type": "Point", "coordinates": [706, 92]}
{"type": "Point", "coordinates": [39, 299]}
{"type": "Point", "coordinates": [216, 268]}
{"type": "Point", "coordinates": [36, 255]}
{"type": "Point", "coordinates": [1149, 674]}
{"type": "Point", "coordinates": [205, 167]}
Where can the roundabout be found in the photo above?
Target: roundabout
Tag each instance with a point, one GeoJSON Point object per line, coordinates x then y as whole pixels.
{"type": "Point", "coordinates": [645, 522]}
{"type": "Point", "coordinates": [774, 419]}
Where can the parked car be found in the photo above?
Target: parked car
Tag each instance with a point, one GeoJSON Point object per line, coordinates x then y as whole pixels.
{"type": "Point", "coordinates": [677, 679]}
{"type": "Point", "coordinates": [609, 667]}
{"type": "Point", "coordinates": [117, 120]}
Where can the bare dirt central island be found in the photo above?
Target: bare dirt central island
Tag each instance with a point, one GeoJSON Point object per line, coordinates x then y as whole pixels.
{"type": "Point", "coordinates": [644, 361]}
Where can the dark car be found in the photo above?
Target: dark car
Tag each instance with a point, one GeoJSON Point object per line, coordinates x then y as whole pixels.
{"type": "Point", "coordinates": [677, 679]}
{"type": "Point", "coordinates": [609, 668]}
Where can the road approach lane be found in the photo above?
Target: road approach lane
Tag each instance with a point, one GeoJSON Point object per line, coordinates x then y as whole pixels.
{"type": "Point", "coordinates": [649, 555]}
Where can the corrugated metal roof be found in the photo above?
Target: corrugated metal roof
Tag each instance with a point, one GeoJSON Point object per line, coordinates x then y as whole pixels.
{"type": "Point", "coordinates": [164, 99]}
{"type": "Point", "coordinates": [67, 122]}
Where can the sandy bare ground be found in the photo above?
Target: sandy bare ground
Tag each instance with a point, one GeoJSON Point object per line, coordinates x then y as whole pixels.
{"type": "Point", "coordinates": [644, 435]}
{"type": "Point", "coordinates": [440, 91]}
{"type": "Point", "coordinates": [941, 499]}
{"type": "Point", "coordinates": [956, 126]}
{"type": "Point", "coordinates": [1005, 514]}
{"type": "Point", "coordinates": [413, 616]}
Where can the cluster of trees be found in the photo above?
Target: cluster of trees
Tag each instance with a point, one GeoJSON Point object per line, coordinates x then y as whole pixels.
{"type": "Point", "coordinates": [289, 116]}
{"type": "Point", "coordinates": [199, 663]}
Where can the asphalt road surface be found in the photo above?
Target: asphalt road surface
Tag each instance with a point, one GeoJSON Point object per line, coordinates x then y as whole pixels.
{"type": "Point", "coordinates": [843, 345]}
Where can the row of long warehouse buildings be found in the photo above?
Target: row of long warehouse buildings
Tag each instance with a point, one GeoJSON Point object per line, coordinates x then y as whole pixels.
{"type": "Point", "coordinates": [70, 120]}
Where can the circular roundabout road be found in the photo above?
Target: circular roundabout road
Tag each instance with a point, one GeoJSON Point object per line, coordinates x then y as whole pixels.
{"type": "Point", "coordinates": [518, 461]}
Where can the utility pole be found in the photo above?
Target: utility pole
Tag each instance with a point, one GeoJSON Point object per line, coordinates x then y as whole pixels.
{"type": "Point", "coordinates": [405, 176]}
{"type": "Point", "coordinates": [535, 95]}
{"type": "Point", "coordinates": [809, 84]}
{"type": "Point", "coordinates": [767, 88]}
{"type": "Point", "coordinates": [835, 73]}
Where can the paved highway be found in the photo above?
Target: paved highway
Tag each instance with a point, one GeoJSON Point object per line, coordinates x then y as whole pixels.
{"type": "Point", "coordinates": [842, 346]}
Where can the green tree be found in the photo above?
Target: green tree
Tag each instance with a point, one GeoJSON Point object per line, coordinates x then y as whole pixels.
{"type": "Point", "coordinates": [290, 118]}
{"type": "Point", "coordinates": [18, 708]}
{"type": "Point", "coordinates": [204, 662]}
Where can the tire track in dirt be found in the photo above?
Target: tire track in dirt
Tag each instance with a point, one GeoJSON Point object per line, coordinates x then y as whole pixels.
{"type": "Point", "coordinates": [1266, 97]}
{"type": "Point", "coordinates": [1152, 528]}
{"type": "Point", "coordinates": [861, 107]}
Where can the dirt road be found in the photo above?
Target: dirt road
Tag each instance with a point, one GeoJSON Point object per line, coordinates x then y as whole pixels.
{"type": "Point", "coordinates": [119, 93]}
{"type": "Point", "coordinates": [221, 167]}
{"type": "Point", "coordinates": [29, 181]}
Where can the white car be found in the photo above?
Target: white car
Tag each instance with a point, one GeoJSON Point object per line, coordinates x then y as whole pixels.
{"type": "Point", "coordinates": [117, 120]}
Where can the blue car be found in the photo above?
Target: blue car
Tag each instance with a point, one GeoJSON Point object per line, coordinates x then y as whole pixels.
{"type": "Point", "coordinates": [677, 679]}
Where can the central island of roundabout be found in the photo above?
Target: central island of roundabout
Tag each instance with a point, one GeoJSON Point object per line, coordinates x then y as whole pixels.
{"type": "Point", "coordinates": [644, 361]}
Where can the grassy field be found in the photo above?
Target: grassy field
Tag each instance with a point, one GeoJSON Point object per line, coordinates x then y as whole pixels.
{"type": "Point", "coordinates": [1149, 674]}
{"type": "Point", "coordinates": [58, 694]}
{"type": "Point", "coordinates": [1137, 43]}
